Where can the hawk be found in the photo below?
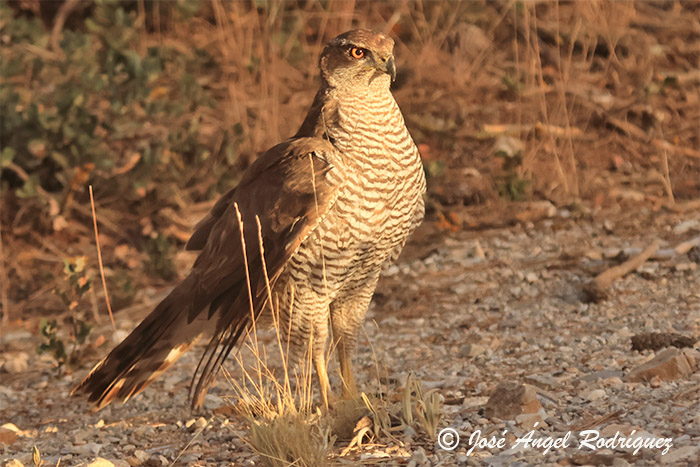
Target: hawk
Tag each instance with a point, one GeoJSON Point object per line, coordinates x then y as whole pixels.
{"type": "Point", "coordinates": [301, 240]}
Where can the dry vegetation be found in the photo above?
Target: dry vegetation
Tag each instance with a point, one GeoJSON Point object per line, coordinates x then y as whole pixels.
{"type": "Point", "coordinates": [594, 101]}
{"type": "Point", "coordinates": [512, 104]}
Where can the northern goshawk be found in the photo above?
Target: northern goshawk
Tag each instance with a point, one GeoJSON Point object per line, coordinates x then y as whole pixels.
{"type": "Point", "coordinates": [331, 207]}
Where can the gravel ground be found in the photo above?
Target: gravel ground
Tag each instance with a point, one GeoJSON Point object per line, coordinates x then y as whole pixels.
{"type": "Point", "coordinates": [467, 313]}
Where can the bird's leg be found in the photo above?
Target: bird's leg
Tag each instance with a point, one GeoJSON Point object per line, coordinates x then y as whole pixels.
{"type": "Point", "coordinates": [346, 374]}
{"type": "Point", "coordinates": [346, 320]}
{"type": "Point", "coordinates": [319, 341]}
{"type": "Point", "coordinates": [322, 372]}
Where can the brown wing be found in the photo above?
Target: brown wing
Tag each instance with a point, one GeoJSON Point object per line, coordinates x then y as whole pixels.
{"type": "Point", "coordinates": [288, 189]}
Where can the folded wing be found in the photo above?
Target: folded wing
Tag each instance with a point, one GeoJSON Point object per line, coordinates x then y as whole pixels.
{"type": "Point", "coordinates": [279, 202]}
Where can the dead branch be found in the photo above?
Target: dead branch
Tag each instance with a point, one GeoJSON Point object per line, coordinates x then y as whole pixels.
{"type": "Point", "coordinates": [595, 290]}
{"type": "Point", "coordinates": [59, 21]}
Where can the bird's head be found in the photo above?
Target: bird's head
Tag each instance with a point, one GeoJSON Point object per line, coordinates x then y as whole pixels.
{"type": "Point", "coordinates": [359, 58]}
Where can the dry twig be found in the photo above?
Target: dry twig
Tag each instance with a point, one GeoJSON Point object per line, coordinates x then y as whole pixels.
{"type": "Point", "coordinates": [99, 260]}
{"type": "Point", "coordinates": [59, 21]}
{"type": "Point", "coordinates": [3, 288]}
{"type": "Point", "coordinates": [595, 290]}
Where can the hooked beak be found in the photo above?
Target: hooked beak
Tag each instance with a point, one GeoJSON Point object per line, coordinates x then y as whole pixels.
{"type": "Point", "coordinates": [388, 66]}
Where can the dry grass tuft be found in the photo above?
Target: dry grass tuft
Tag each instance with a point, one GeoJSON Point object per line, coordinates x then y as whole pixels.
{"type": "Point", "coordinates": [277, 404]}
{"type": "Point", "coordinates": [289, 438]}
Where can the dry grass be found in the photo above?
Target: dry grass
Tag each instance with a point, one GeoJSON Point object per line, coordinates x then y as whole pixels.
{"type": "Point", "coordinates": [588, 85]}
{"type": "Point", "coordinates": [282, 429]}
{"type": "Point", "coordinates": [286, 426]}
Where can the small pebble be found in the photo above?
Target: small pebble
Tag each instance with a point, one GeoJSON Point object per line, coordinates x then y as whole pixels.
{"type": "Point", "coordinates": [593, 394]}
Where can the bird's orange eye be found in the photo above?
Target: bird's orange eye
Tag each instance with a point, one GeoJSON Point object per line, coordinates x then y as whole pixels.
{"type": "Point", "coordinates": [357, 52]}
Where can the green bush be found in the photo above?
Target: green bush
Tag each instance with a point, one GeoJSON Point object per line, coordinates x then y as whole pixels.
{"type": "Point", "coordinates": [97, 109]}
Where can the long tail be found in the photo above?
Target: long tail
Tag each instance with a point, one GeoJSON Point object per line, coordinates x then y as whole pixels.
{"type": "Point", "coordinates": [163, 337]}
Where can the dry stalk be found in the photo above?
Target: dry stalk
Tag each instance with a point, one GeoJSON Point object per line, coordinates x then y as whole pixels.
{"type": "Point", "coordinates": [99, 259]}
{"type": "Point", "coordinates": [536, 70]}
{"type": "Point", "coordinates": [666, 178]}
{"type": "Point", "coordinates": [563, 84]}
{"type": "Point", "coordinates": [3, 288]}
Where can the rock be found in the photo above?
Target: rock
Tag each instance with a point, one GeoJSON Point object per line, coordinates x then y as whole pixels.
{"type": "Point", "coordinates": [544, 381]}
{"type": "Point", "coordinates": [11, 427]}
{"type": "Point", "coordinates": [694, 254]}
{"type": "Point", "coordinates": [100, 462]}
{"type": "Point", "coordinates": [622, 194]}
{"type": "Point", "coordinates": [655, 381]}
{"type": "Point", "coordinates": [88, 449]}
{"type": "Point", "coordinates": [649, 271]}
{"type": "Point", "coordinates": [19, 335]}
{"type": "Point", "coordinates": [593, 394]}
{"type": "Point", "coordinates": [688, 453]}
{"type": "Point", "coordinates": [7, 436]}
{"type": "Point", "coordinates": [602, 374]}
{"type": "Point", "coordinates": [535, 211]}
{"type": "Point", "coordinates": [614, 382]}
{"type": "Point", "coordinates": [686, 226]}
{"type": "Point", "coordinates": [418, 458]}
{"type": "Point", "coordinates": [473, 350]}
{"type": "Point", "coordinates": [159, 460]}
{"type": "Point", "coordinates": [593, 458]}
{"type": "Point", "coordinates": [531, 277]}
{"type": "Point", "coordinates": [119, 335]}
{"type": "Point", "coordinates": [619, 462]}
{"type": "Point", "coordinates": [16, 363]}
{"type": "Point", "coordinates": [682, 267]}
{"type": "Point", "coordinates": [391, 271]}
{"type": "Point", "coordinates": [616, 428]}
{"type": "Point", "coordinates": [142, 456]}
{"type": "Point", "coordinates": [121, 463]}
{"type": "Point", "coordinates": [478, 251]}
{"type": "Point", "coordinates": [529, 421]}
{"type": "Point", "coordinates": [201, 423]}
{"type": "Point", "coordinates": [81, 436]}
{"type": "Point", "coordinates": [659, 340]}
{"type": "Point", "coordinates": [669, 365]}
{"type": "Point", "coordinates": [428, 385]}
{"type": "Point", "coordinates": [511, 399]}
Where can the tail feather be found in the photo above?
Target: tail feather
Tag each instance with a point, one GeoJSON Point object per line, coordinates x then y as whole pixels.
{"type": "Point", "coordinates": [158, 342]}
{"type": "Point", "coordinates": [218, 349]}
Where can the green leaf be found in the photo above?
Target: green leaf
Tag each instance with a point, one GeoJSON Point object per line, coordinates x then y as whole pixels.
{"type": "Point", "coordinates": [44, 326]}
{"type": "Point", "coordinates": [6, 157]}
{"type": "Point", "coordinates": [60, 159]}
{"type": "Point", "coordinates": [30, 187]}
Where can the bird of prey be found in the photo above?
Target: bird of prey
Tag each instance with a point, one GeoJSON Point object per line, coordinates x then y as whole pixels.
{"type": "Point", "coordinates": [304, 236]}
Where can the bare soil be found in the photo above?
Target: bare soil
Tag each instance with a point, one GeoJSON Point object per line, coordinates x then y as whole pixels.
{"type": "Point", "coordinates": [465, 312]}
